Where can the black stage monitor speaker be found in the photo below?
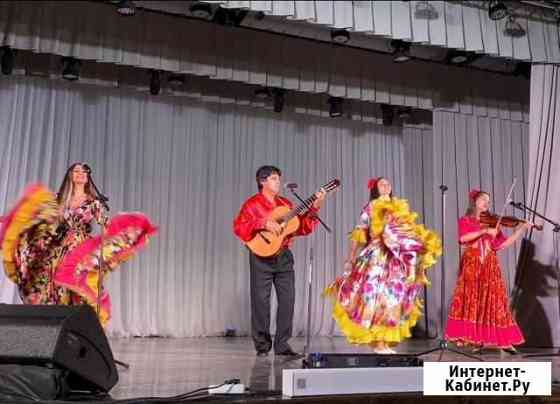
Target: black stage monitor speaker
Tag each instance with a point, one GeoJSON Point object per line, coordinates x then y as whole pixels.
{"type": "Point", "coordinates": [63, 337]}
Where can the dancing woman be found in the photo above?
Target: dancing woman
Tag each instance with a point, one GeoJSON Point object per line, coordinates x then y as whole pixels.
{"type": "Point", "coordinates": [376, 299]}
{"type": "Point", "coordinates": [48, 247]}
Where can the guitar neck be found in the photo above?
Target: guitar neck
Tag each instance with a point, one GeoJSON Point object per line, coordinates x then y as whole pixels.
{"type": "Point", "coordinates": [308, 203]}
{"type": "Point", "coordinates": [300, 209]}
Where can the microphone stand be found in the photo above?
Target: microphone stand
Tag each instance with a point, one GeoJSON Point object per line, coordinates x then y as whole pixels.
{"type": "Point", "coordinates": [522, 206]}
{"type": "Point", "coordinates": [103, 199]}
{"type": "Point", "coordinates": [443, 344]}
{"type": "Point", "coordinates": [556, 259]}
{"type": "Point", "coordinates": [306, 349]}
{"type": "Point", "coordinates": [101, 263]}
{"type": "Point", "coordinates": [292, 190]}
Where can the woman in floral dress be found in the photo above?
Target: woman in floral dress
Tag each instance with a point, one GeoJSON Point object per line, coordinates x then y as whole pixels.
{"type": "Point", "coordinates": [49, 249]}
{"type": "Point", "coordinates": [376, 299]}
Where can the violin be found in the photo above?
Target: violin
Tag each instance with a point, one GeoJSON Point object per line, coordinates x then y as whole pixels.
{"type": "Point", "coordinates": [491, 220]}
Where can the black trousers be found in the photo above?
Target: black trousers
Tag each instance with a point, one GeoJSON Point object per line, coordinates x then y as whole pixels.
{"type": "Point", "coordinates": [265, 272]}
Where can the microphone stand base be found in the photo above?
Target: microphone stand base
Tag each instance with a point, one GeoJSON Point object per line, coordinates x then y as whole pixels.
{"type": "Point", "coordinates": [443, 346]}
{"type": "Point", "coordinates": [122, 364]}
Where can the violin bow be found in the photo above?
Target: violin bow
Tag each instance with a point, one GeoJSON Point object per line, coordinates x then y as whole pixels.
{"type": "Point", "coordinates": [508, 198]}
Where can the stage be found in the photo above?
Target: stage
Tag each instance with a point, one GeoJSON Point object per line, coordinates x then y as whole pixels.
{"type": "Point", "coordinates": [161, 367]}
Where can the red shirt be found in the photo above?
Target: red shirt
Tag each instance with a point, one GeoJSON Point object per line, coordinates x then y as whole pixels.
{"type": "Point", "coordinates": [255, 211]}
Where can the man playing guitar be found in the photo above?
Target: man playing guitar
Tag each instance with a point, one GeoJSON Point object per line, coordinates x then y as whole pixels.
{"type": "Point", "coordinates": [278, 269]}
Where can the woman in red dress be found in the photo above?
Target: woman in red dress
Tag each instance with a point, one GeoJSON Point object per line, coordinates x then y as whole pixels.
{"type": "Point", "coordinates": [480, 314]}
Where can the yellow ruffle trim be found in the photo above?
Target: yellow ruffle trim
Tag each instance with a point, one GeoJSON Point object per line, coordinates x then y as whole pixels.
{"type": "Point", "coordinates": [22, 221]}
{"type": "Point", "coordinates": [92, 280]}
{"type": "Point", "coordinates": [357, 334]}
{"type": "Point", "coordinates": [400, 211]}
{"type": "Point", "coordinates": [359, 236]}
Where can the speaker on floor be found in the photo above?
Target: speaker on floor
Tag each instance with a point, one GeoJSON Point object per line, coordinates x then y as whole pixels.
{"type": "Point", "coordinates": [67, 338]}
{"type": "Point", "coordinates": [319, 360]}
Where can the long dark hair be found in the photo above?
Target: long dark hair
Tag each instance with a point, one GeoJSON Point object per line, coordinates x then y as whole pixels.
{"type": "Point", "coordinates": [472, 203]}
{"type": "Point", "coordinates": [374, 191]}
{"type": "Point", "coordinates": [66, 189]}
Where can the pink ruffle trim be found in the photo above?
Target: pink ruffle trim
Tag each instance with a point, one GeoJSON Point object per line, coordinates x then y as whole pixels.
{"type": "Point", "coordinates": [479, 334]}
{"type": "Point", "coordinates": [66, 274]}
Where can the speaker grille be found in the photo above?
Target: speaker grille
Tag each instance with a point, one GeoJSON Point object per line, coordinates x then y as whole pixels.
{"type": "Point", "coordinates": [33, 339]}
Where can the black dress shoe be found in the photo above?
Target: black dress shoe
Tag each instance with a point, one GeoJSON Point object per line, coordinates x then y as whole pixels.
{"type": "Point", "coordinates": [262, 353]}
{"type": "Point", "coordinates": [290, 353]}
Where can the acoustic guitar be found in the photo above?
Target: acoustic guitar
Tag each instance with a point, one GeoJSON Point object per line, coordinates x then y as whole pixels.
{"type": "Point", "coordinates": [266, 243]}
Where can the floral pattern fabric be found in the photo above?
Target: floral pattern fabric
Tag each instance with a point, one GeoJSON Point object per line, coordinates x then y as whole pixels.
{"type": "Point", "coordinates": [42, 248]}
{"type": "Point", "coordinates": [378, 299]}
{"type": "Point", "coordinates": [53, 256]}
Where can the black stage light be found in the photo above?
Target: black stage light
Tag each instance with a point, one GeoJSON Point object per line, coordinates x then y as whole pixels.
{"type": "Point", "coordinates": [71, 68]}
{"type": "Point", "coordinates": [155, 82]}
{"type": "Point", "coordinates": [278, 99]}
{"type": "Point", "coordinates": [497, 10]}
{"type": "Point", "coordinates": [401, 51]}
{"type": "Point", "coordinates": [335, 106]}
{"type": "Point", "coordinates": [8, 60]}
{"type": "Point", "coordinates": [126, 8]}
{"type": "Point", "coordinates": [340, 35]}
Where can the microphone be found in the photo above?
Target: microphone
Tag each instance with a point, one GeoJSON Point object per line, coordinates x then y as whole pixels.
{"type": "Point", "coordinates": [103, 199]}
{"type": "Point", "coordinates": [291, 186]}
{"type": "Point", "coordinates": [516, 204]}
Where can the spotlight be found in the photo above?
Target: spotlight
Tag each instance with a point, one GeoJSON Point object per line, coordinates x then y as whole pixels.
{"type": "Point", "coordinates": [404, 112]}
{"type": "Point", "coordinates": [176, 80]}
{"type": "Point", "coordinates": [231, 17]}
{"type": "Point", "coordinates": [71, 68]}
{"type": "Point", "coordinates": [556, 13]}
{"type": "Point", "coordinates": [523, 69]}
{"type": "Point", "coordinates": [513, 28]}
{"type": "Point", "coordinates": [8, 60]}
{"type": "Point", "coordinates": [262, 93]}
{"type": "Point", "coordinates": [425, 11]}
{"type": "Point", "coordinates": [201, 10]}
{"type": "Point", "coordinates": [387, 114]}
{"type": "Point", "coordinates": [155, 82]}
{"type": "Point", "coordinates": [126, 8]}
{"type": "Point", "coordinates": [459, 57]}
{"type": "Point", "coordinates": [340, 35]}
{"type": "Point", "coordinates": [401, 51]}
{"type": "Point", "coordinates": [335, 106]}
{"type": "Point", "coordinates": [278, 99]}
{"type": "Point", "coordinates": [497, 10]}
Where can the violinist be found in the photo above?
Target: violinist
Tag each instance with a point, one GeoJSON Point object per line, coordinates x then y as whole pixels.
{"type": "Point", "coordinates": [480, 316]}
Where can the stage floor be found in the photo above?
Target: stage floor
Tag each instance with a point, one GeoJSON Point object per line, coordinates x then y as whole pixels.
{"type": "Point", "coordinates": [172, 366]}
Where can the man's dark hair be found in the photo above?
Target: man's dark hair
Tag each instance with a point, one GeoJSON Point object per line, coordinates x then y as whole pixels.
{"type": "Point", "coordinates": [264, 172]}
